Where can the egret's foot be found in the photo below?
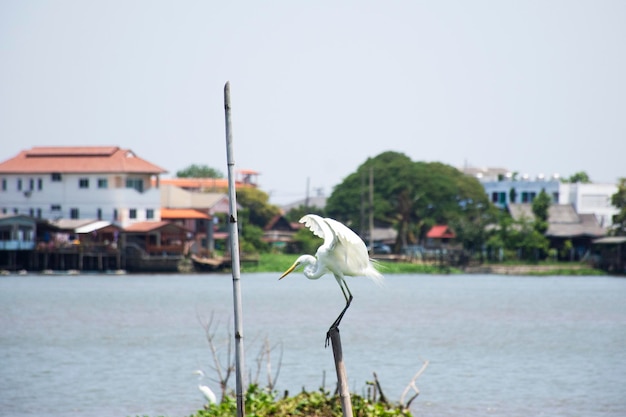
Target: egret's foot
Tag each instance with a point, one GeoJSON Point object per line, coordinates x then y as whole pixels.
{"type": "Point", "coordinates": [333, 327]}
{"type": "Point", "coordinates": [335, 324]}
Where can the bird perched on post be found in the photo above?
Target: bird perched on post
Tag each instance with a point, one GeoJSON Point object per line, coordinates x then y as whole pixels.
{"type": "Point", "coordinates": [343, 253]}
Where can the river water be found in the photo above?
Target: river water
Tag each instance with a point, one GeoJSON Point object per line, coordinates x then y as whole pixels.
{"type": "Point", "coordinates": [105, 345]}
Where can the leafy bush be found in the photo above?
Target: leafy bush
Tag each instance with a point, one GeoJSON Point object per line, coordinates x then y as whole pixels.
{"type": "Point", "coordinates": [261, 403]}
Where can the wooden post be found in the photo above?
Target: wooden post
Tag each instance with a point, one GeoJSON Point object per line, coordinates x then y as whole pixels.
{"type": "Point", "coordinates": [234, 256]}
{"type": "Point", "coordinates": [342, 377]}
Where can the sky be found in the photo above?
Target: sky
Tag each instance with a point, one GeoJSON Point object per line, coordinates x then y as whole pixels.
{"type": "Point", "coordinates": [536, 87]}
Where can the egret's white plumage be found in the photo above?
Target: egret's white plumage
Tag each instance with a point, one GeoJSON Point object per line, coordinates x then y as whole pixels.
{"type": "Point", "coordinates": [206, 391]}
{"type": "Point", "coordinates": [343, 253]}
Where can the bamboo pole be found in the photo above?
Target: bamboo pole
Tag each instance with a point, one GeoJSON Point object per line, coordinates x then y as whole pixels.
{"type": "Point", "coordinates": [234, 255]}
{"type": "Point", "coordinates": [342, 377]}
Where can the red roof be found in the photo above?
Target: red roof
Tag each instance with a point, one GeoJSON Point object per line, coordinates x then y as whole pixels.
{"type": "Point", "coordinates": [78, 159]}
{"type": "Point", "coordinates": [183, 214]}
{"type": "Point", "coordinates": [440, 232]}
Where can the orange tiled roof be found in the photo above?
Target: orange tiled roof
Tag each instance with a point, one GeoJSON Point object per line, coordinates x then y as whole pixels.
{"type": "Point", "coordinates": [200, 183]}
{"type": "Point", "coordinates": [78, 159]}
{"type": "Point", "coordinates": [183, 214]}
{"type": "Point", "coordinates": [440, 232]}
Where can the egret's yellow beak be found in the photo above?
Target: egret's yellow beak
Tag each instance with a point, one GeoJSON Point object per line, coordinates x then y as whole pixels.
{"type": "Point", "coordinates": [287, 272]}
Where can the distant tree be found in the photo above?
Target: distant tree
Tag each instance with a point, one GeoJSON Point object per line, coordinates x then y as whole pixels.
{"type": "Point", "coordinates": [519, 236]}
{"type": "Point", "coordinates": [410, 196]}
{"type": "Point", "coordinates": [580, 177]}
{"type": "Point", "coordinates": [619, 201]}
{"type": "Point", "coordinates": [199, 171]}
{"type": "Point", "coordinates": [531, 243]}
{"type": "Point", "coordinates": [256, 208]}
{"type": "Point", "coordinates": [306, 241]}
{"type": "Point", "coordinates": [541, 207]}
{"type": "Point", "coordinates": [252, 239]}
{"type": "Point", "coordinates": [296, 213]}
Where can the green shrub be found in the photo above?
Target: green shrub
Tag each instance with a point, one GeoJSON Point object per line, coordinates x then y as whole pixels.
{"type": "Point", "coordinates": [261, 403]}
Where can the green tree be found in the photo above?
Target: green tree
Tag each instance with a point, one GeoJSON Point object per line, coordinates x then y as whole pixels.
{"type": "Point", "coordinates": [530, 243]}
{"type": "Point", "coordinates": [306, 242]}
{"type": "Point", "coordinates": [252, 239]}
{"type": "Point", "coordinates": [541, 207]}
{"type": "Point", "coordinates": [199, 171]}
{"type": "Point", "coordinates": [255, 206]}
{"type": "Point", "coordinates": [618, 200]}
{"type": "Point", "coordinates": [580, 177]}
{"type": "Point", "coordinates": [296, 213]}
{"type": "Point", "coordinates": [410, 196]}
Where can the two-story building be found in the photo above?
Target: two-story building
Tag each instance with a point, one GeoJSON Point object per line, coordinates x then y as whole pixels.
{"type": "Point", "coordinates": [592, 198]}
{"type": "Point", "coordinates": [81, 182]}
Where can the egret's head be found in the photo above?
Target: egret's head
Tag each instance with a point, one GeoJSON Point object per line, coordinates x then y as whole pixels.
{"type": "Point", "coordinates": [304, 259]}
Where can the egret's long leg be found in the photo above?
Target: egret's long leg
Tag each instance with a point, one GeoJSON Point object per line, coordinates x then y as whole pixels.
{"type": "Point", "coordinates": [348, 296]}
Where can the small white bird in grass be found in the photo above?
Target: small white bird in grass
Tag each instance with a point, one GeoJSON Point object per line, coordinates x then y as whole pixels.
{"type": "Point", "coordinates": [343, 253]}
{"type": "Point", "coordinates": [206, 391]}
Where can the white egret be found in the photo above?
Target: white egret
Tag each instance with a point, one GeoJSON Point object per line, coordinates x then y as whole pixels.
{"type": "Point", "coordinates": [343, 253]}
{"type": "Point", "coordinates": [206, 391]}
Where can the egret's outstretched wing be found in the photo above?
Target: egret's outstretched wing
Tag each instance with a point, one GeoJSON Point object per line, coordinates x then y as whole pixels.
{"type": "Point", "coordinates": [346, 235]}
{"type": "Point", "coordinates": [350, 249]}
{"type": "Point", "coordinates": [319, 228]}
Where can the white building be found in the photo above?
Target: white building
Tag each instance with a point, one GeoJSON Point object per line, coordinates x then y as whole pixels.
{"type": "Point", "coordinates": [103, 182]}
{"type": "Point", "coordinates": [593, 198]}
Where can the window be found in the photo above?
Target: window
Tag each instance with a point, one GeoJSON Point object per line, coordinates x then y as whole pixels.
{"type": "Point", "coordinates": [74, 213]}
{"type": "Point", "coordinates": [19, 184]}
{"type": "Point", "coordinates": [524, 196]}
{"type": "Point", "coordinates": [31, 184]}
{"type": "Point", "coordinates": [55, 207]}
{"type": "Point", "coordinates": [39, 184]}
{"type": "Point", "coordinates": [115, 214]}
{"type": "Point", "coordinates": [494, 197]}
{"type": "Point", "coordinates": [39, 213]}
{"type": "Point", "coordinates": [99, 214]}
{"type": "Point", "coordinates": [149, 214]}
{"type": "Point", "coordinates": [56, 176]}
{"type": "Point", "coordinates": [132, 213]}
{"type": "Point", "coordinates": [136, 183]}
{"type": "Point", "coordinates": [4, 184]}
{"type": "Point", "coordinates": [83, 183]}
{"type": "Point", "coordinates": [31, 212]}
{"type": "Point", "coordinates": [103, 183]}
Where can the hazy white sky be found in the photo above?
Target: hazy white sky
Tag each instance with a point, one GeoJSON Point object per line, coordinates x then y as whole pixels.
{"type": "Point", "coordinates": [318, 87]}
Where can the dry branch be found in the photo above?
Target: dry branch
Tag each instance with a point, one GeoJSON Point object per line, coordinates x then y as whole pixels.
{"type": "Point", "coordinates": [412, 385]}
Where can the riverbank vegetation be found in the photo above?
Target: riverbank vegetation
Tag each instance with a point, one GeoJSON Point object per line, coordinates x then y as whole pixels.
{"type": "Point", "coordinates": [279, 262]}
{"type": "Point", "coordinates": [260, 402]}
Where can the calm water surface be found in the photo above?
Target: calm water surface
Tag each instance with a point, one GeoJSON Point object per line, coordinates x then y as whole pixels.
{"type": "Point", "coordinates": [119, 346]}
